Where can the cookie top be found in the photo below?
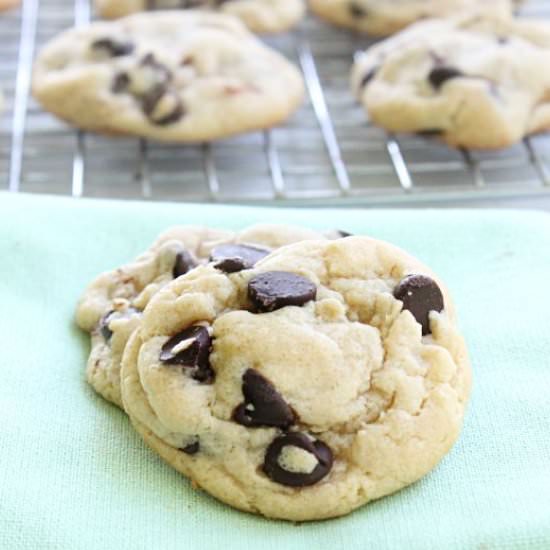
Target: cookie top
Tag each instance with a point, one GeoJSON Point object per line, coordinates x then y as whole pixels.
{"type": "Point", "coordinates": [110, 308]}
{"type": "Point", "coordinates": [472, 81]}
{"type": "Point", "coordinates": [173, 76]}
{"type": "Point", "coordinates": [382, 18]}
{"type": "Point", "coordinates": [330, 374]}
{"type": "Point", "coordinates": [263, 16]}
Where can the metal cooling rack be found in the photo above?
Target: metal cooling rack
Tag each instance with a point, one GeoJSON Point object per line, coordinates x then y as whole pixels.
{"type": "Point", "coordinates": [326, 154]}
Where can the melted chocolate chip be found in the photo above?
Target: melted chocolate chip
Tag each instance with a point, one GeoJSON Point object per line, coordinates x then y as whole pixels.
{"type": "Point", "coordinates": [157, 113]}
{"type": "Point", "coordinates": [263, 405]}
{"type": "Point", "coordinates": [192, 448]}
{"type": "Point", "coordinates": [184, 263]}
{"type": "Point", "coordinates": [231, 258]}
{"type": "Point", "coordinates": [163, 73]}
{"type": "Point", "coordinates": [430, 132]}
{"type": "Point", "coordinates": [355, 10]}
{"type": "Point", "coordinates": [120, 83]}
{"type": "Point", "coordinates": [195, 354]}
{"type": "Point", "coordinates": [276, 289]}
{"type": "Point", "coordinates": [104, 322]}
{"type": "Point", "coordinates": [439, 75]}
{"type": "Point", "coordinates": [114, 48]}
{"type": "Point", "coordinates": [368, 77]}
{"type": "Point", "coordinates": [273, 469]}
{"type": "Point", "coordinates": [420, 295]}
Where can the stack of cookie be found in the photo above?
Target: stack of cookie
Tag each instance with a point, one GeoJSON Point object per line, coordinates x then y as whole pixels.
{"type": "Point", "coordinates": [288, 373]}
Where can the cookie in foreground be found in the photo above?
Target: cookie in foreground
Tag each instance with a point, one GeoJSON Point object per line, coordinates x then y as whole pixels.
{"type": "Point", "coordinates": [473, 81]}
{"type": "Point", "coordinates": [185, 76]}
{"type": "Point", "coordinates": [110, 308]}
{"type": "Point", "coordinates": [329, 375]}
{"type": "Point", "coordinates": [262, 16]}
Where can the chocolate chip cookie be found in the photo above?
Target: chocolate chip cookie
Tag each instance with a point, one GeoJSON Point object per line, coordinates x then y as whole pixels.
{"type": "Point", "coordinates": [263, 16]}
{"type": "Point", "coordinates": [384, 17]}
{"type": "Point", "coordinates": [330, 374]}
{"type": "Point", "coordinates": [473, 81]}
{"type": "Point", "coordinates": [111, 307]}
{"type": "Point", "coordinates": [172, 76]}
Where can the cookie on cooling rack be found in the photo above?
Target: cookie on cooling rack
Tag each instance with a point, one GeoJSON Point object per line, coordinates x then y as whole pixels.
{"type": "Point", "coordinates": [330, 374]}
{"type": "Point", "coordinates": [263, 16]}
{"type": "Point", "coordinates": [471, 81]}
{"type": "Point", "coordinates": [111, 307]}
{"type": "Point", "coordinates": [171, 76]}
{"type": "Point", "coordinates": [382, 18]}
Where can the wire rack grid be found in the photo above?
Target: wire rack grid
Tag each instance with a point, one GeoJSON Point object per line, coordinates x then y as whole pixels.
{"type": "Point", "coordinates": [328, 153]}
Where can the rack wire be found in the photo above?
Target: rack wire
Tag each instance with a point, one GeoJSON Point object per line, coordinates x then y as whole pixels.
{"type": "Point", "coordinates": [328, 153]}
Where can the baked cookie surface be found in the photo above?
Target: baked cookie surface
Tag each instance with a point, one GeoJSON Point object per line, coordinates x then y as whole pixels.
{"type": "Point", "coordinates": [263, 16]}
{"type": "Point", "coordinates": [472, 81]}
{"type": "Point", "coordinates": [170, 76]}
{"type": "Point", "coordinates": [329, 375]}
{"type": "Point", "coordinates": [385, 17]}
{"type": "Point", "coordinates": [111, 307]}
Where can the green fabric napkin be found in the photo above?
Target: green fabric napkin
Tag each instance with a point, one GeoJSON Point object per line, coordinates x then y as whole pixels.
{"type": "Point", "coordinates": [74, 475]}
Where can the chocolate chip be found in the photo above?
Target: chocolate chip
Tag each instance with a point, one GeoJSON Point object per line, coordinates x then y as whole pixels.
{"type": "Point", "coordinates": [112, 315]}
{"type": "Point", "coordinates": [192, 448]}
{"type": "Point", "coordinates": [430, 132]}
{"type": "Point", "coordinates": [163, 73]}
{"type": "Point", "coordinates": [120, 83]}
{"type": "Point", "coordinates": [184, 263]}
{"type": "Point", "coordinates": [439, 75]}
{"type": "Point", "coordinates": [231, 258]}
{"type": "Point", "coordinates": [194, 353]}
{"type": "Point", "coordinates": [163, 107]}
{"type": "Point", "coordinates": [114, 48]}
{"type": "Point", "coordinates": [273, 469]}
{"type": "Point", "coordinates": [344, 234]}
{"type": "Point", "coordinates": [420, 295]}
{"type": "Point", "coordinates": [368, 77]}
{"type": "Point", "coordinates": [276, 289]}
{"type": "Point", "coordinates": [356, 10]}
{"type": "Point", "coordinates": [263, 405]}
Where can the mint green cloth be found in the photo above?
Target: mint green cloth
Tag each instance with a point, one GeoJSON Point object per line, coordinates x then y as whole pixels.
{"type": "Point", "coordinates": [74, 475]}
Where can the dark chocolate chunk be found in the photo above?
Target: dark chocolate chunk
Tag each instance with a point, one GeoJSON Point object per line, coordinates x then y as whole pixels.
{"type": "Point", "coordinates": [184, 263]}
{"type": "Point", "coordinates": [368, 77]}
{"type": "Point", "coordinates": [231, 258]}
{"type": "Point", "coordinates": [104, 322]}
{"type": "Point", "coordinates": [163, 72]}
{"type": "Point", "coordinates": [263, 405]}
{"type": "Point", "coordinates": [162, 117]}
{"type": "Point", "coordinates": [356, 10]}
{"type": "Point", "coordinates": [430, 132]}
{"type": "Point", "coordinates": [276, 289]}
{"type": "Point", "coordinates": [120, 83]}
{"type": "Point", "coordinates": [194, 355]}
{"type": "Point", "coordinates": [112, 47]}
{"type": "Point", "coordinates": [192, 448]}
{"type": "Point", "coordinates": [420, 295]}
{"type": "Point", "coordinates": [440, 74]}
{"type": "Point", "coordinates": [277, 473]}
{"type": "Point", "coordinates": [344, 234]}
